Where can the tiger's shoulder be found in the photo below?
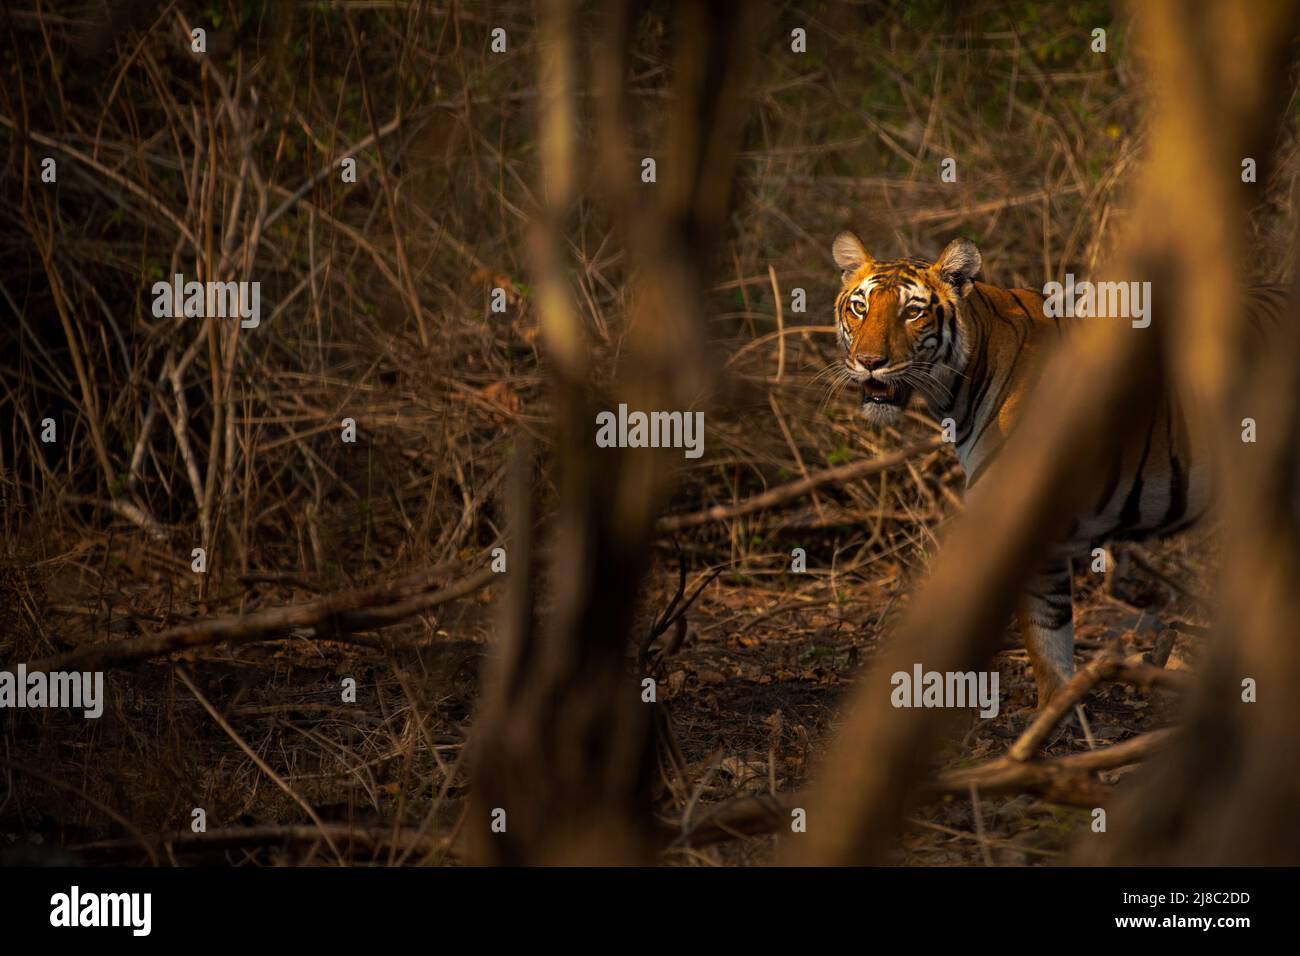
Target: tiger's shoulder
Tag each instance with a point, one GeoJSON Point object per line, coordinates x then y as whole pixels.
{"type": "Point", "coordinates": [1025, 307]}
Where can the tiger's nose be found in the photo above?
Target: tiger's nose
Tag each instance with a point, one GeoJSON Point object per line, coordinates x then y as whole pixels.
{"type": "Point", "coordinates": [872, 362]}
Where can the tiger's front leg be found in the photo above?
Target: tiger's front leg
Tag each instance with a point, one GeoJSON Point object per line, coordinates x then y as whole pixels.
{"type": "Point", "coordinates": [1047, 626]}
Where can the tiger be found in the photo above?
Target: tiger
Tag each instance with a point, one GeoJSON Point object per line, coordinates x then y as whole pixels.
{"type": "Point", "coordinates": [973, 353]}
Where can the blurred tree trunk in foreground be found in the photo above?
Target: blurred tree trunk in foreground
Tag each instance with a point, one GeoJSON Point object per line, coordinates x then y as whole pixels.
{"type": "Point", "coordinates": [1228, 790]}
{"type": "Point", "coordinates": [564, 743]}
{"type": "Point", "coordinates": [1222, 74]}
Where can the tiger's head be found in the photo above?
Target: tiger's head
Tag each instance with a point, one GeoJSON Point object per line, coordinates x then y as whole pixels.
{"type": "Point", "coordinates": [898, 322]}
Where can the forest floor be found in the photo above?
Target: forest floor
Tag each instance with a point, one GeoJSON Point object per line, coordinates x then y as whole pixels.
{"type": "Point", "coordinates": [752, 694]}
{"type": "Point", "coordinates": [755, 696]}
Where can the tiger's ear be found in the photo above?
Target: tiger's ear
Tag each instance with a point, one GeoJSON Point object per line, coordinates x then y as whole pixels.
{"type": "Point", "coordinates": [957, 265]}
{"type": "Point", "coordinates": [848, 252]}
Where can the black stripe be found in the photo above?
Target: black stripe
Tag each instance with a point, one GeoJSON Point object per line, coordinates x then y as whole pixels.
{"type": "Point", "coordinates": [1060, 585]}
{"type": "Point", "coordinates": [1186, 523]}
{"type": "Point", "coordinates": [1177, 476]}
{"type": "Point", "coordinates": [1112, 482]}
{"type": "Point", "coordinates": [983, 466]}
{"type": "Point", "coordinates": [1028, 315]}
{"type": "Point", "coordinates": [989, 305]}
{"type": "Point", "coordinates": [977, 400]}
{"type": "Point", "coordinates": [1002, 394]}
{"type": "Point", "coordinates": [1130, 516]}
{"type": "Point", "coordinates": [978, 372]}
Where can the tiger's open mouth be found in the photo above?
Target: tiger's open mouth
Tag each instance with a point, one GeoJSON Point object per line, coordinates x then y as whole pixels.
{"type": "Point", "coordinates": [892, 394]}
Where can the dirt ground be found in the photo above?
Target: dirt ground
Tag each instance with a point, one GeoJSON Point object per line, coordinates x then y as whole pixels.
{"type": "Point", "coordinates": [752, 693]}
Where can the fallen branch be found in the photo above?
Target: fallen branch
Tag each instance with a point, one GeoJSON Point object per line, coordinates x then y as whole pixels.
{"type": "Point", "coordinates": [1065, 780]}
{"type": "Point", "coordinates": [1064, 701]}
{"type": "Point", "coordinates": [796, 489]}
{"type": "Point", "coordinates": [362, 608]}
{"type": "Point", "coordinates": [125, 509]}
{"type": "Point", "coordinates": [1107, 665]}
{"type": "Point", "coordinates": [741, 817]}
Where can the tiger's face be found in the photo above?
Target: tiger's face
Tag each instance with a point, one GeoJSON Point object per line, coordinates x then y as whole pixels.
{"type": "Point", "coordinates": [898, 322]}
